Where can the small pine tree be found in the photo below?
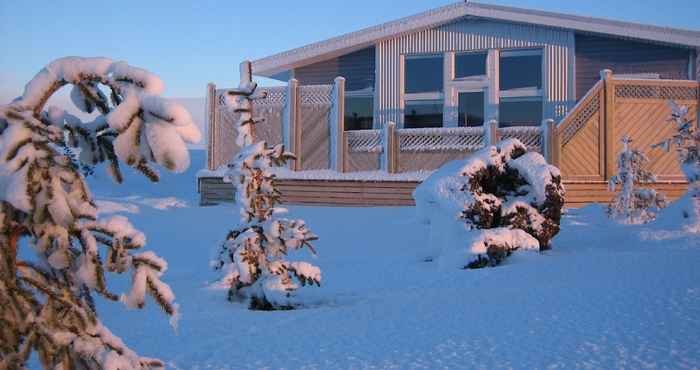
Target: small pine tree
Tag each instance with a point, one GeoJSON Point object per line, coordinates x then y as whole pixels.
{"type": "Point", "coordinates": [632, 204]}
{"type": "Point", "coordinates": [253, 257]}
{"type": "Point", "coordinates": [686, 140]}
{"type": "Point", "coordinates": [47, 301]}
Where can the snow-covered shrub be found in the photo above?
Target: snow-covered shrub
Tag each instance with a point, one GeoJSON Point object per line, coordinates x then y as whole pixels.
{"type": "Point", "coordinates": [45, 204]}
{"type": "Point", "coordinates": [631, 204]}
{"type": "Point", "coordinates": [686, 140]}
{"type": "Point", "coordinates": [504, 188]}
{"type": "Point", "coordinates": [253, 256]}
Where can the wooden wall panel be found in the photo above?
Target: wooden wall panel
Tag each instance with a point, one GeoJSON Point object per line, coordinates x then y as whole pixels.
{"type": "Point", "coordinates": [646, 121]}
{"type": "Point", "coordinates": [581, 156]}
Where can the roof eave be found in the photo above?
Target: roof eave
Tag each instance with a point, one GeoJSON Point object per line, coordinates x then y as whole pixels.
{"type": "Point", "coordinates": [353, 41]}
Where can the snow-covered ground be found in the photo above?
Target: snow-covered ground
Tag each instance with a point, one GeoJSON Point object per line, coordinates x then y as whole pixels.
{"type": "Point", "coordinates": [605, 296]}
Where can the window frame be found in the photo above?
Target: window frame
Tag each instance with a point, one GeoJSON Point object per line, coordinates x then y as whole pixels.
{"type": "Point", "coordinates": [522, 93]}
{"type": "Point", "coordinates": [422, 97]}
{"type": "Point", "coordinates": [481, 77]}
{"type": "Point", "coordinates": [364, 93]}
{"type": "Point", "coordinates": [483, 90]}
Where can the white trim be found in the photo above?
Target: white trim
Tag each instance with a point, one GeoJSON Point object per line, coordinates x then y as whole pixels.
{"type": "Point", "coordinates": [350, 42]}
{"type": "Point", "coordinates": [424, 96]}
{"type": "Point", "coordinates": [522, 92]}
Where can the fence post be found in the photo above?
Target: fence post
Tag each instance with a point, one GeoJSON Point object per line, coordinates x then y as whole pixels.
{"type": "Point", "coordinates": [550, 139]}
{"type": "Point", "coordinates": [337, 126]}
{"type": "Point", "coordinates": [608, 110]}
{"type": "Point", "coordinates": [211, 125]}
{"type": "Point", "coordinates": [290, 124]}
{"type": "Point", "coordinates": [390, 148]}
{"type": "Point", "coordinates": [491, 132]}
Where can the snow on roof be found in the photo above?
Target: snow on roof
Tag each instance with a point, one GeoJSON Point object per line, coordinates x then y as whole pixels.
{"type": "Point", "coordinates": [353, 41]}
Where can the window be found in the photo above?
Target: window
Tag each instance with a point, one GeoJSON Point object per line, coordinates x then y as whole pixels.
{"type": "Point", "coordinates": [470, 65]}
{"type": "Point", "coordinates": [471, 109]}
{"type": "Point", "coordinates": [520, 112]}
{"type": "Point", "coordinates": [423, 74]}
{"type": "Point", "coordinates": [423, 113]}
{"type": "Point", "coordinates": [520, 88]}
{"type": "Point", "coordinates": [520, 69]}
{"type": "Point", "coordinates": [358, 112]}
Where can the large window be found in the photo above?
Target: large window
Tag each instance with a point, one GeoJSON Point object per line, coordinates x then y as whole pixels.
{"type": "Point", "coordinates": [423, 113]}
{"type": "Point", "coordinates": [471, 109]}
{"type": "Point", "coordinates": [423, 91]}
{"type": "Point", "coordinates": [358, 112]}
{"type": "Point", "coordinates": [520, 112]}
{"type": "Point", "coordinates": [520, 82]}
{"type": "Point", "coordinates": [423, 73]}
{"type": "Point", "coordinates": [521, 70]}
{"type": "Point", "coordinates": [470, 65]}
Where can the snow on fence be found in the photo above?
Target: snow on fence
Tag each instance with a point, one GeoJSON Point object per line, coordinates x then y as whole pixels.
{"type": "Point", "coordinates": [528, 135]}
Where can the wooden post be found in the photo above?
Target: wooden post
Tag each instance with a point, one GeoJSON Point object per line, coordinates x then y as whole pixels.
{"type": "Point", "coordinates": [337, 126]}
{"type": "Point", "coordinates": [608, 111]}
{"type": "Point", "coordinates": [290, 124]}
{"type": "Point", "coordinates": [552, 146]}
{"type": "Point", "coordinates": [491, 132]}
{"type": "Point", "coordinates": [210, 105]}
{"type": "Point", "coordinates": [390, 148]}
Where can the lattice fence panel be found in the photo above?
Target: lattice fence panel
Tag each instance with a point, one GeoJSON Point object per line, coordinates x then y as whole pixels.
{"type": "Point", "coordinates": [467, 139]}
{"type": "Point", "coordinates": [578, 122]}
{"type": "Point", "coordinates": [316, 95]}
{"type": "Point", "coordinates": [225, 132]}
{"type": "Point", "coordinates": [364, 141]}
{"type": "Point", "coordinates": [530, 136]}
{"type": "Point", "coordinates": [639, 91]}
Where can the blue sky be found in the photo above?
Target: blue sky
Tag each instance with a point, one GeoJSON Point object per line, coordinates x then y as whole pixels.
{"type": "Point", "coordinates": [191, 43]}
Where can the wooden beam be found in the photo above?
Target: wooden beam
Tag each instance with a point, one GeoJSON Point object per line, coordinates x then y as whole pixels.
{"type": "Point", "coordinates": [337, 126]}
{"type": "Point", "coordinates": [211, 125]}
{"type": "Point", "coordinates": [290, 124]}
{"type": "Point", "coordinates": [608, 110]}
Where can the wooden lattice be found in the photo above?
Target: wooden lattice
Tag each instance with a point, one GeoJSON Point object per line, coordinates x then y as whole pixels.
{"type": "Point", "coordinates": [316, 95]}
{"type": "Point", "coordinates": [528, 135]}
{"type": "Point", "coordinates": [577, 123]}
{"type": "Point", "coordinates": [656, 92]}
{"type": "Point", "coordinates": [364, 141]}
{"type": "Point", "coordinates": [441, 139]}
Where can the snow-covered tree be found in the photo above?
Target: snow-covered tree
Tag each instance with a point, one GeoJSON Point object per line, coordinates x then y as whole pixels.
{"type": "Point", "coordinates": [686, 141]}
{"type": "Point", "coordinates": [47, 297]}
{"type": "Point", "coordinates": [253, 256]}
{"type": "Point", "coordinates": [632, 204]}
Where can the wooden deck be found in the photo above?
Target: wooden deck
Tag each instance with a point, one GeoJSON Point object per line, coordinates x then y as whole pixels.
{"type": "Point", "coordinates": [347, 193]}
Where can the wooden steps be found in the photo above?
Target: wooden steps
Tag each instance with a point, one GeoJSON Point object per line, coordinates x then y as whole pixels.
{"type": "Point", "coordinates": [353, 193]}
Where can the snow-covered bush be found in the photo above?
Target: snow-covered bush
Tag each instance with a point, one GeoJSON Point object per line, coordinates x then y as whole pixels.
{"type": "Point", "coordinates": [513, 193]}
{"type": "Point", "coordinates": [253, 256]}
{"type": "Point", "coordinates": [45, 204]}
{"type": "Point", "coordinates": [631, 204]}
{"type": "Point", "coordinates": [686, 141]}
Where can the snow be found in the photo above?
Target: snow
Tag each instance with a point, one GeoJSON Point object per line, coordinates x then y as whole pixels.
{"type": "Point", "coordinates": [605, 296]}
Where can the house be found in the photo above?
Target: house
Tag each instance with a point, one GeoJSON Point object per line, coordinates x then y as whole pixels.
{"type": "Point", "coordinates": [455, 78]}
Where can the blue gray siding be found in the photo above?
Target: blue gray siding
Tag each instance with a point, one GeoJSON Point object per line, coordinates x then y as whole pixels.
{"type": "Point", "coordinates": [595, 53]}
{"type": "Point", "coordinates": [477, 34]}
{"type": "Point", "coordinates": [356, 67]}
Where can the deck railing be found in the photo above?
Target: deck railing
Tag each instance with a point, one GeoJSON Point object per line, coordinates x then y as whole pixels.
{"type": "Point", "coordinates": [309, 121]}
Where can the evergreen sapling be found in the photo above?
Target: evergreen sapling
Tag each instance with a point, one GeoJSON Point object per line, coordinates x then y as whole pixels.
{"type": "Point", "coordinates": [633, 205]}
{"type": "Point", "coordinates": [253, 257]}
